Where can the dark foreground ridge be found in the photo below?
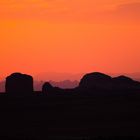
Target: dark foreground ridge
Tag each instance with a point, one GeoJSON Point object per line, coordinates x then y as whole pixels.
{"type": "Point", "coordinates": [101, 107]}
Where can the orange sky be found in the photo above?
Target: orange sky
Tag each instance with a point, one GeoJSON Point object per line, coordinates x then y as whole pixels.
{"type": "Point", "coordinates": [73, 36]}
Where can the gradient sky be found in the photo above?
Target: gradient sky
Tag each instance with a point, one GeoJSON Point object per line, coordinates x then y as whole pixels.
{"type": "Point", "coordinates": [72, 36]}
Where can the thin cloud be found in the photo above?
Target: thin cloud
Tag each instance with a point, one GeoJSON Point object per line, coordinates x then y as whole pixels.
{"type": "Point", "coordinates": [128, 11]}
{"type": "Point", "coordinates": [69, 11]}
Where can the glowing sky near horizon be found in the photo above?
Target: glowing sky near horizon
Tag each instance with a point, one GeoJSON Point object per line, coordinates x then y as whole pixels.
{"type": "Point", "coordinates": [72, 36]}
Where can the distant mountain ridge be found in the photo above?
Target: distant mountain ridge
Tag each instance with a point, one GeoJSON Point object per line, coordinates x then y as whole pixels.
{"type": "Point", "coordinates": [66, 84]}
{"type": "Point", "coordinates": [54, 76]}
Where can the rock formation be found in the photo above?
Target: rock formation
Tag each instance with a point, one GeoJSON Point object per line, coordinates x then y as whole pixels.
{"type": "Point", "coordinates": [19, 84]}
{"type": "Point", "coordinates": [123, 82]}
{"type": "Point", "coordinates": [47, 88]}
{"type": "Point", "coordinates": [95, 80]}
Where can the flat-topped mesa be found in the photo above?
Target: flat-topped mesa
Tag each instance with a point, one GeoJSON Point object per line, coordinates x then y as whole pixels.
{"type": "Point", "coordinates": [19, 84]}
{"type": "Point", "coordinates": [95, 80]}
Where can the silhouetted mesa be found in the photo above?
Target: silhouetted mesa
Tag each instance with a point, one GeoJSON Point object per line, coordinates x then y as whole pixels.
{"type": "Point", "coordinates": [19, 84]}
{"type": "Point", "coordinates": [99, 81]}
{"type": "Point", "coordinates": [95, 80]}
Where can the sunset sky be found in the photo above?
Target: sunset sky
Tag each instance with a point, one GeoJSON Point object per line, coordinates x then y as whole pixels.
{"type": "Point", "coordinates": [69, 36]}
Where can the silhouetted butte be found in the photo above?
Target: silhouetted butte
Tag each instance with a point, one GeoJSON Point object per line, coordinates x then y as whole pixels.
{"type": "Point", "coordinates": [19, 84]}
{"type": "Point", "coordinates": [95, 80]}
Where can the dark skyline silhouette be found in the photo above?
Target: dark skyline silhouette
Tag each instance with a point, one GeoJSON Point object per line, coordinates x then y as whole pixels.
{"type": "Point", "coordinates": [68, 81]}
{"type": "Point", "coordinates": [18, 82]}
{"type": "Point", "coordinates": [101, 106]}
